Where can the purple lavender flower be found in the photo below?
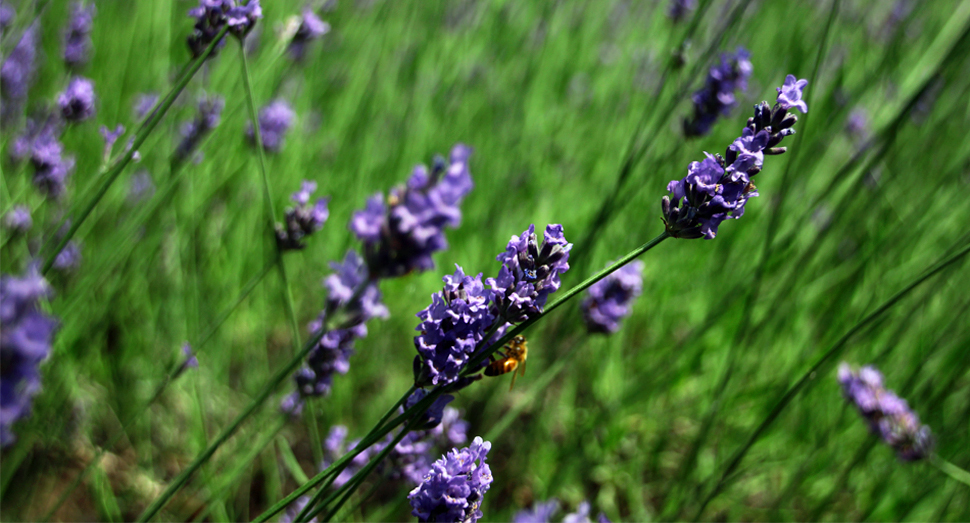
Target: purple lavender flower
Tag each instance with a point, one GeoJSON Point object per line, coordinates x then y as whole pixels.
{"type": "Point", "coordinates": [24, 342]}
{"type": "Point", "coordinates": [887, 414]}
{"type": "Point", "coordinates": [294, 510]}
{"type": "Point", "coordinates": [207, 119]}
{"type": "Point", "coordinates": [17, 71]}
{"type": "Point", "coordinates": [718, 188]}
{"type": "Point", "coordinates": [40, 142]}
{"type": "Point", "coordinates": [580, 516]}
{"type": "Point", "coordinates": [191, 362]}
{"type": "Point", "coordinates": [610, 300]}
{"type": "Point", "coordinates": [18, 220]}
{"type": "Point", "coordinates": [451, 327]}
{"type": "Point", "coordinates": [242, 18]}
{"type": "Point", "coordinates": [311, 28]}
{"type": "Point", "coordinates": [144, 103]}
{"type": "Point", "coordinates": [7, 14]}
{"type": "Point", "coordinates": [401, 236]}
{"type": "Point", "coordinates": [679, 9]}
{"type": "Point", "coordinates": [77, 101]}
{"type": "Point", "coordinates": [211, 16]}
{"type": "Point", "coordinates": [302, 220]}
{"type": "Point", "coordinates": [454, 487]}
{"type": "Point", "coordinates": [352, 297]}
{"type": "Point", "coordinates": [275, 119]}
{"type": "Point", "coordinates": [69, 258]}
{"type": "Point", "coordinates": [110, 137]}
{"type": "Point", "coordinates": [790, 94]}
{"type": "Point", "coordinates": [717, 97]}
{"type": "Point", "coordinates": [539, 513]}
{"type": "Point", "coordinates": [857, 125]}
{"type": "Point", "coordinates": [529, 273]}
{"type": "Point", "coordinates": [433, 416]}
{"type": "Point", "coordinates": [77, 36]}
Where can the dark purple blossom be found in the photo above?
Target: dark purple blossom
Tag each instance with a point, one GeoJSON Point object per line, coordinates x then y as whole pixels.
{"type": "Point", "coordinates": [451, 327]}
{"type": "Point", "coordinates": [718, 188]}
{"type": "Point", "coordinates": [539, 513]}
{"type": "Point", "coordinates": [17, 220]}
{"type": "Point", "coordinates": [25, 341]}
{"type": "Point", "coordinates": [77, 36]}
{"type": "Point", "coordinates": [790, 94]}
{"type": "Point", "coordinates": [40, 143]}
{"type": "Point", "coordinates": [401, 235]}
{"type": "Point", "coordinates": [529, 273]}
{"type": "Point", "coordinates": [453, 489]}
{"type": "Point", "coordinates": [212, 16]}
{"type": "Point", "coordinates": [207, 119]}
{"type": "Point", "coordinates": [887, 414]}
{"type": "Point", "coordinates": [242, 18]}
{"type": "Point", "coordinates": [17, 72]}
{"type": "Point", "coordinates": [679, 9]}
{"type": "Point", "coordinates": [610, 300]}
{"type": "Point", "coordinates": [302, 220]}
{"type": "Point", "coordinates": [352, 298]}
{"type": "Point", "coordinates": [77, 101]}
{"type": "Point", "coordinates": [275, 119]}
{"type": "Point", "coordinates": [717, 97]}
{"type": "Point", "coordinates": [311, 28]}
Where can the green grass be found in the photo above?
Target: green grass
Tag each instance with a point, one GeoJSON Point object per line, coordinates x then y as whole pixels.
{"type": "Point", "coordinates": [555, 98]}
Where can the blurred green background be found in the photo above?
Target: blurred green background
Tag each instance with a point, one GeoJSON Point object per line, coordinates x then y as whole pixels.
{"type": "Point", "coordinates": [554, 97]}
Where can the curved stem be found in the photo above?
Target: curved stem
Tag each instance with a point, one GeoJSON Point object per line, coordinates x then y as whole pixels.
{"type": "Point", "coordinates": [950, 469]}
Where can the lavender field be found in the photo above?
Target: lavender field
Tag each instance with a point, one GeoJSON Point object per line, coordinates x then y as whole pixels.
{"type": "Point", "coordinates": [469, 260]}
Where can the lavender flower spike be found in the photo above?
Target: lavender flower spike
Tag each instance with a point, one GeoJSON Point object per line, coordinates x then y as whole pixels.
{"type": "Point", "coordinates": [717, 97]}
{"type": "Point", "coordinates": [718, 188]}
{"type": "Point", "coordinates": [18, 220]}
{"type": "Point", "coordinates": [25, 341]}
{"type": "Point", "coordinates": [454, 487]}
{"type": "Point", "coordinates": [17, 72]}
{"type": "Point", "coordinates": [887, 414]}
{"type": "Point", "coordinates": [529, 273]}
{"type": "Point", "coordinates": [451, 327]}
{"type": "Point", "coordinates": [77, 101]}
{"type": "Point", "coordinates": [310, 28]}
{"type": "Point", "coordinates": [609, 300]}
{"type": "Point", "coordinates": [275, 119]}
{"type": "Point", "coordinates": [40, 142]}
{"type": "Point", "coordinates": [302, 220]}
{"type": "Point", "coordinates": [77, 36]}
{"type": "Point", "coordinates": [207, 119]}
{"type": "Point", "coordinates": [400, 236]}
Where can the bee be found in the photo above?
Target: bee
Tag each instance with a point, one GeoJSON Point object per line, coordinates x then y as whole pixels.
{"type": "Point", "coordinates": [513, 356]}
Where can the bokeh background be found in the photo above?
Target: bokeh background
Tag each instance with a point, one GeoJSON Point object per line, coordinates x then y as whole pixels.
{"type": "Point", "coordinates": [555, 98]}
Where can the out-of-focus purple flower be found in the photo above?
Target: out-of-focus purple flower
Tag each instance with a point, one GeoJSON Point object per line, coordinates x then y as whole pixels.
{"type": "Point", "coordinates": [17, 71]}
{"type": "Point", "coordinates": [887, 414]}
{"type": "Point", "coordinates": [529, 273]}
{"type": "Point", "coordinates": [539, 513]}
{"type": "Point", "coordinates": [24, 342]}
{"type": "Point", "coordinates": [210, 110]}
{"type": "Point", "coordinates": [718, 188]}
{"type": "Point", "coordinates": [7, 14]}
{"type": "Point", "coordinates": [275, 119]}
{"type": "Point", "coordinates": [580, 516]}
{"type": "Point", "coordinates": [77, 101]}
{"type": "Point", "coordinates": [18, 220]}
{"type": "Point", "coordinates": [40, 142]}
{"type": "Point", "coordinates": [679, 9]}
{"type": "Point", "coordinates": [77, 35]}
{"type": "Point", "coordinates": [401, 235]}
{"type": "Point", "coordinates": [311, 28]}
{"type": "Point", "coordinates": [242, 18]}
{"type": "Point", "coordinates": [110, 137]}
{"type": "Point", "coordinates": [289, 516]}
{"type": "Point", "coordinates": [211, 16]}
{"type": "Point", "coordinates": [433, 416]}
{"type": "Point", "coordinates": [454, 487]}
{"type": "Point", "coordinates": [790, 94]}
{"type": "Point", "coordinates": [451, 327]}
{"type": "Point", "coordinates": [302, 220]}
{"type": "Point", "coordinates": [717, 97]}
{"type": "Point", "coordinates": [191, 362]}
{"type": "Point", "coordinates": [144, 103]}
{"type": "Point", "coordinates": [610, 300]}
{"type": "Point", "coordinates": [142, 187]}
{"type": "Point", "coordinates": [857, 125]}
{"type": "Point", "coordinates": [69, 258]}
{"type": "Point", "coordinates": [352, 298]}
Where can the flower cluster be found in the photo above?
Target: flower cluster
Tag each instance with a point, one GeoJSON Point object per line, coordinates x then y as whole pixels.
{"type": "Point", "coordinates": [887, 414]}
{"type": "Point", "coordinates": [717, 97]}
{"type": "Point", "coordinates": [302, 220]}
{"type": "Point", "coordinates": [352, 297]}
{"type": "Point", "coordinates": [207, 119]}
{"type": "Point", "coordinates": [400, 235]}
{"type": "Point", "coordinates": [311, 28]}
{"type": "Point", "coordinates": [543, 512]}
{"type": "Point", "coordinates": [718, 188]}
{"type": "Point", "coordinates": [275, 119]}
{"type": "Point", "coordinates": [211, 16]}
{"type": "Point", "coordinates": [144, 103]}
{"type": "Point", "coordinates": [454, 487]}
{"type": "Point", "coordinates": [460, 316]}
{"type": "Point", "coordinates": [18, 220]}
{"type": "Point", "coordinates": [40, 143]}
{"type": "Point", "coordinates": [77, 101]}
{"type": "Point", "coordinates": [24, 342]}
{"type": "Point", "coordinates": [17, 72]}
{"type": "Point", "coordinates": [610, 300]}
{"type": "Point", "coordinates": [77, 36]}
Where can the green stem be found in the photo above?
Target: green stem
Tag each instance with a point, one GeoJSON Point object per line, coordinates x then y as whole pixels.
{"type": "Point", "coordinates": [950, 469]}
{"type": "Point", "coordinates": [119, 164]}
{"type": "Point", "coordinates": [809, 374]}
